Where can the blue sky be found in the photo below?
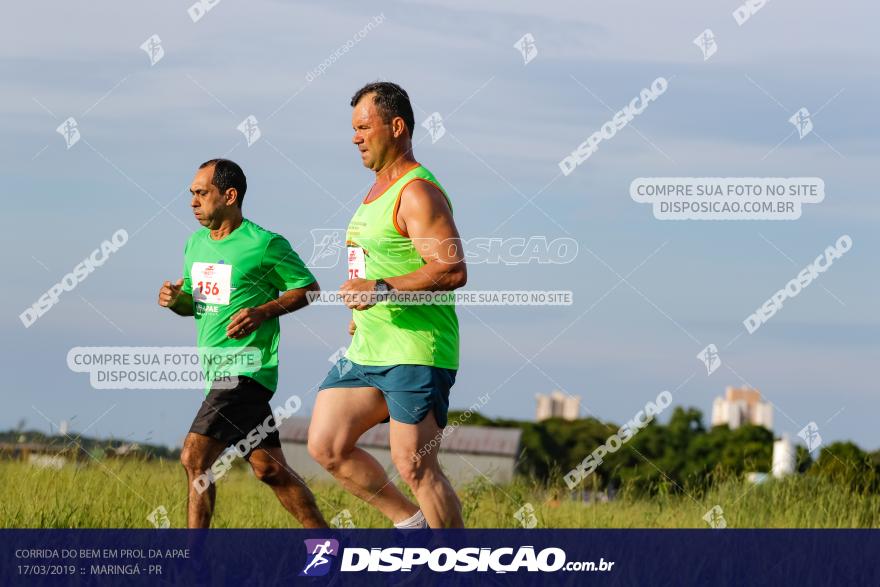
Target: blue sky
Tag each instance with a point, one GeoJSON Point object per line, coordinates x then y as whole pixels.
{"type": "Point", "coordinates": [145, 129]}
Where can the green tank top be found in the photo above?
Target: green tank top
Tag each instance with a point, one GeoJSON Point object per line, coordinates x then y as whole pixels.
{"type": "Point", "coordinates": [389, 334]}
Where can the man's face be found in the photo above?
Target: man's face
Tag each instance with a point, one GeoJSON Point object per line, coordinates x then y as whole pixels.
{"type": "Point", "coordinates": [373, 136]}
{"type": "Point", "coordinates": [208, 204]}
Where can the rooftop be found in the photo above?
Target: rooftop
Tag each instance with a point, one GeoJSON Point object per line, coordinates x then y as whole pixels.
{"type": "Point", "coordinates": [461, 439]}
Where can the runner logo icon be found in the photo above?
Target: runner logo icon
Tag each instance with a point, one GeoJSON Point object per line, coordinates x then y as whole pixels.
{"type": "Point", "coordinates": [320, 554]}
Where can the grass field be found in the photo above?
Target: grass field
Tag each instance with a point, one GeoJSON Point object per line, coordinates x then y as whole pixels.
{"type": "Point", "coordinates": [121, 494]}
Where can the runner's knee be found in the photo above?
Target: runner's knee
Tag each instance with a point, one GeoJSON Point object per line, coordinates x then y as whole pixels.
{"type": "Point", "coordinates": [270, 473]}
{"type": "Point", "coordinates": [326, 452]}
{"type": "Point", "coordinates": [194, 460]}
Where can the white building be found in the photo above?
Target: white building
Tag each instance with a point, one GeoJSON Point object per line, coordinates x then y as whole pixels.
{"type": "Point", "coordinates": [557, 405]}
{"type": "Point", "coordinates": [784, 457]}
{"type": "Point", "coordinates": [740, 406]}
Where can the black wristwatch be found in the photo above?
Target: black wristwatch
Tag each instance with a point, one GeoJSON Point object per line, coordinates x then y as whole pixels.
{"type": "Point", "coordinates": [382, 289]}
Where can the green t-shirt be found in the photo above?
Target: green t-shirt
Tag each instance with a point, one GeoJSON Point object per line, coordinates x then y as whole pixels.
{"type": "Point", "coordinates": [247, 268]}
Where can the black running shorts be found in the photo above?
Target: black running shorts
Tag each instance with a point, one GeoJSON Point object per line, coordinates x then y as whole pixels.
{"type": "Point", "coordinates": [229, 415]}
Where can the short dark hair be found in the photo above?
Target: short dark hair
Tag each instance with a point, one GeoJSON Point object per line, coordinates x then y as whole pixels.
{"type": "Point", "coordinates": [390, 99]}
{"type": "Point", "coordinates": [227, 174]}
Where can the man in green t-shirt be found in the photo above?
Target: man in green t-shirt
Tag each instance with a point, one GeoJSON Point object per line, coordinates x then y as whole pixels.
{"type": "Point", "coordinates": [234, 273]}
{"type": "Point", "coordinates": [403, 359]}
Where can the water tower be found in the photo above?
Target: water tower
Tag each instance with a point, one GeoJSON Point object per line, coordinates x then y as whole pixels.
{"type": "Point", "coordinates": [783, 457]}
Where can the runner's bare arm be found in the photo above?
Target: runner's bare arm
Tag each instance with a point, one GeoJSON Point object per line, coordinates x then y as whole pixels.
{"type": "Point", "coordinates": [171, 296]}
{"type": "Point", "coordinates": [424, 216]}
{"type": "Point", "coordinates": [249, 319]}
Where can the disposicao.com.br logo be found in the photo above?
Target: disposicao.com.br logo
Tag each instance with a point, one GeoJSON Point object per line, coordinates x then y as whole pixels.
{"type": "Point", "coordinates": [322, 552]}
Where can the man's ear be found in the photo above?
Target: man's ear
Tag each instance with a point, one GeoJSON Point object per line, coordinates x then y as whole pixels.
{"type": "Point", "coordinates": [232, 197]}
{"type": "Point", "coordinates": [398, 126]}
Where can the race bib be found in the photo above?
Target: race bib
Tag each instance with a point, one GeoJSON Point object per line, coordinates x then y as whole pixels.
{"type": "Point", "coordinates": [357, 263]}
{"type": "Point", "coordinates": [211, 283]}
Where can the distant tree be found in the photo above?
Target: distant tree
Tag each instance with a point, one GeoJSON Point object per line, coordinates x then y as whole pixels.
{"type": "Point", "coordinates": [846, 464]}
{"type": "Point", "coordinates": [464, 418]}
{"type": "Point", "coordinates": [677, 456]}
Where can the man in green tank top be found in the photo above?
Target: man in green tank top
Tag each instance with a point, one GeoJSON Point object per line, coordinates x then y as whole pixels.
{"type": "Point", "coordinates": [403, 359]}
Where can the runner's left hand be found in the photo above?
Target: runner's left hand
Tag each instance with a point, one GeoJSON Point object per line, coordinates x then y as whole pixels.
{"type": "Point", "coordinates": [359, 294]}
{"type": "Point", "coordinates": [245, 322]}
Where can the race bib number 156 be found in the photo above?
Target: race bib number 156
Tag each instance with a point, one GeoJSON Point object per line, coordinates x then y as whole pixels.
{"type": "Point", "coordinates": [211, 283]}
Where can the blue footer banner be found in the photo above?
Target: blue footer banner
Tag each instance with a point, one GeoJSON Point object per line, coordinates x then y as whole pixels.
{"type": "Point", "coordinates": [446, 557]}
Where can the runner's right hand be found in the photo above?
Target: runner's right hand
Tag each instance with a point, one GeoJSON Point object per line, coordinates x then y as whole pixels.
{"type": "Point", "coordinates": [169, 293]}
